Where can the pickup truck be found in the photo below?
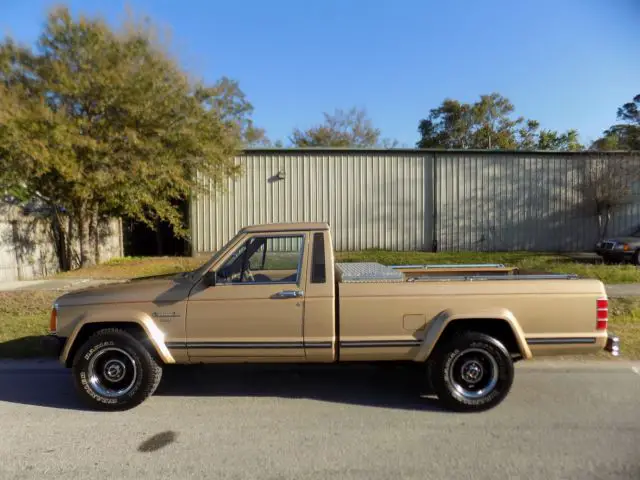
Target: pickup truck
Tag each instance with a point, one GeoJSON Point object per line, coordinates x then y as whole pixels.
{"type": "Point", "coordinates": [273, 293]}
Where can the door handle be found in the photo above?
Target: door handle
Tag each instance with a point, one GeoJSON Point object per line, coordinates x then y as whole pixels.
{"type": "Point", "coordinates": [289, 294]}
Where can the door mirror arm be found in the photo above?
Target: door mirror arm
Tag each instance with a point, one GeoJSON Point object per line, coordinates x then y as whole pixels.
{"type": "Point", "coordinates": [210, 279]}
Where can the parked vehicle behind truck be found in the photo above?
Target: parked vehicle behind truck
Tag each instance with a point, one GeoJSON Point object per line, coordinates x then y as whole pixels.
{"type": "Point", "coordinates": [274, 293]}
{"type": "Point", "coordinates": [622, 248]}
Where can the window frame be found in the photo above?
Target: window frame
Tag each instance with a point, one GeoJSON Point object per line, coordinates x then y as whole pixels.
{"type": "Point", "coordinates": [301, 235]}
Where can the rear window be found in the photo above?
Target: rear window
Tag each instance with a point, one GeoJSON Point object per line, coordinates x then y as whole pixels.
{"type": "Point", "coordinates": [318, 268]}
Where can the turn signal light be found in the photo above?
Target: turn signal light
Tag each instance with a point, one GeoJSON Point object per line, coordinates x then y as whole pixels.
{"type": "Point", "coordinates": [53, 319]}
{"type": "Point", "coordinates": [602, 313]}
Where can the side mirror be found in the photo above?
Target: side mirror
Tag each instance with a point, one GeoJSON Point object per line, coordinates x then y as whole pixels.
{"type": "Point", "coordinates": [210, 279]}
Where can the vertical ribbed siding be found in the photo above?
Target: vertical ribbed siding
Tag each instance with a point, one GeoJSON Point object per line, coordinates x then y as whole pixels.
{"type": "Point", "coordinates": [517, 202]}
{"type": "Point", "coordinates": [483, 201]}
{"type": "Point", "coordinates": [371, 200]}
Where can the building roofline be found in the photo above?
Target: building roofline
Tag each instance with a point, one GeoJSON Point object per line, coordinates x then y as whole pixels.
{"type": "Point", "coordinates": [285, 227]}
{"type": "Point", "coordinates": [271, 150]}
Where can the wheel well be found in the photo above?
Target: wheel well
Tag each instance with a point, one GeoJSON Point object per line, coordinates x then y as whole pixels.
{"type": "Point", "coordinates": [134, 329]}
{"type": "Point", "coordinates": [496, 328]}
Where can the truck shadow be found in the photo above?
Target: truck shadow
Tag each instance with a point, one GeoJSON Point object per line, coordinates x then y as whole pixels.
{"type": "Point", "coordinates": [397, 387]}
{"type": "Point", "coordinates": [39, 387]}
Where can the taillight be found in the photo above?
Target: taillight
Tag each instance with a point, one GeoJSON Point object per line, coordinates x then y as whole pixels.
{"type": "Point", "coordinates": [602, 313]}
{"type": "Point", "coordinates": [53, 319]}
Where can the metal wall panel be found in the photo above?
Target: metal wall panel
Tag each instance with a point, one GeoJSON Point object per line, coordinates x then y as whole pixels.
{"type": "Point", "coordinates": [370, 199]}
{"type": "Point", "coordinates": [406, 199]}
{"type": "Point", "coordinates": [522, 201]}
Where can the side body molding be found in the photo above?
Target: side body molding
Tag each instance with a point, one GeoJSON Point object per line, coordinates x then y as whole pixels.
{"type": "Point", "coordinates": [439, 323]}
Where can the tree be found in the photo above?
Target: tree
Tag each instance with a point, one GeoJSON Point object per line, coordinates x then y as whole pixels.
{"type": "Point", "coordinates": [448, 126]}
{"type": "Point", "coordinates": [606, 187]}
{"type": "Point", "coordinates": [488, 124]}
{"type": "Point", "coordinates": [552, 140]}
{"type": "Point", "coordinates": [623, 136]}
{"type": "Point", "coordinates": [97, 123]}
{"type": "Point", "coordinates": [232, 104]}
{"type": "Point", "coordinates": [494, 127]}
{"type": "Point", "coordinates": [352, 128]}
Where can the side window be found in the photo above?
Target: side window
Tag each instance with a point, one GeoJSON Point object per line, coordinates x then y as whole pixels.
{"type": "Point", "coordinates": [318, 267]}
{"type": "Point", "coordinates": [273, 259]}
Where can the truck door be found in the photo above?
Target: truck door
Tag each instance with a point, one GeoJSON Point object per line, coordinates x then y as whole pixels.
{"type": "Point", "coordinates": [256, 306]}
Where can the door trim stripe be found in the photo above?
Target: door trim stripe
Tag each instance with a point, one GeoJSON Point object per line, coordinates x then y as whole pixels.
{"type": "Point", "coordinates": [284, 345]}
{"type": "Point", "coordinates": [561, 340]}
{"type": "Point", "coordinates": [318, 344]}
{"type": "Point", "coordinates": [237, 345]}
{"type": "Point", "coordinates": [379, 343]}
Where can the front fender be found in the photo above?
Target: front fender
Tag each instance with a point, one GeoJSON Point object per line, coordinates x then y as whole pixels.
{"type": "Point", "coordinates": [439, 323]}
{"type": "Point", "coordinates": [154, 334]}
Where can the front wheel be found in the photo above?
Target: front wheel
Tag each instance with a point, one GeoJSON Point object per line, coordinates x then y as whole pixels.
{"type": "Point", "coordinates": [114, 371]}
{"type": "Point", "coordinates": [472, 372]}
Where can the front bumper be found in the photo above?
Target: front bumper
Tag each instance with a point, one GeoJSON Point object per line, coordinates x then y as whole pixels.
{"type": "Point", "coordinates": [615, 255]}
{"type": "Point", "coordinates": [613, 345]}
{"type": "Point", "coordinates": [52, 345]}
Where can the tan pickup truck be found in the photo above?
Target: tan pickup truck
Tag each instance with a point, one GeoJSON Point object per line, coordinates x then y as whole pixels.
{"type": "Point", "coordinates": [274, 294]}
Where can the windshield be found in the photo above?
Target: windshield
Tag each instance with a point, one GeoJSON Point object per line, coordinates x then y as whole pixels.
{"type": "Point", "coordinates": [198, 272]}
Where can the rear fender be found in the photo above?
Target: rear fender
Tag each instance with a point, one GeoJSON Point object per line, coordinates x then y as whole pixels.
{"type": "Point", "coordinates": [154, 334]}
{"type": "Point", "coordinates": [439, 323]}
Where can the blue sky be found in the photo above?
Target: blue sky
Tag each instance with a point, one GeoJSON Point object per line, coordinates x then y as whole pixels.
{"type": "Point", "coordinates": [568, 64]}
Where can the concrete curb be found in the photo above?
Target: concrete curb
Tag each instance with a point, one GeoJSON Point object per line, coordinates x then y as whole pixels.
{"type": "Point", "coordinates": [61, 285]}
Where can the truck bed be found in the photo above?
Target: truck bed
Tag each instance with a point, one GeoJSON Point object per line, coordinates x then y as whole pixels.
{"type": "Point", "coordinates": [384, 312]}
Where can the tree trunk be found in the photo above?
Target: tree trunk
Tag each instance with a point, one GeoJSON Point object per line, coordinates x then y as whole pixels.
{"type": "Point", "coordinates": [61, 241]}
{"type": "Point", "coordinates": [94, 234]}
{"type": "Point", "coordinates": [159, 246]}
{"type": "Point", "coordinates": [69, 247]}
{"type": "Point", "coordinates": [84, 238]}
{"type": "Point", "coordinates": [603, 223]}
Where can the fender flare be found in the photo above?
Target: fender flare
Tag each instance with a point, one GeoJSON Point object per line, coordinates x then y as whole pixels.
{"type": "Point", "coordinates": [154, 334]}
{"type": "Point", "coordinates": [443, 319]}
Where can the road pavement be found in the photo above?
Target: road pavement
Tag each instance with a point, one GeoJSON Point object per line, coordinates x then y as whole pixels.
{"type": "Point", "coordinates": [623, 290]}
{"type": "Point", "coordinates": [562, 420]}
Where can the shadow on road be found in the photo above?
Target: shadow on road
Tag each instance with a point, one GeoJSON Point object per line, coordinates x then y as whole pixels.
{"type": "Point", "coordinates": [39, 387]}
{"type": "Point", "coordinates": [400, 387]}
{"type": "Point", "coordinates": [397, 387]}
{"type": "Point", "coordinates": [158, 441]}
{"type": "Point", "coordinates": [30, 346]}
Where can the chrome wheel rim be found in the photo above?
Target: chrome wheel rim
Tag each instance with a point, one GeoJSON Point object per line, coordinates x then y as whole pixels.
{"type": "Point", "coordinates": [112, 372]}
{"type": "Point", "coordinates": [473, 373]}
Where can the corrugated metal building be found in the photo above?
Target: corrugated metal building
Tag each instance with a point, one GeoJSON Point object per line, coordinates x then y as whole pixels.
{"type": "Point", "coordinates": [412, 199]}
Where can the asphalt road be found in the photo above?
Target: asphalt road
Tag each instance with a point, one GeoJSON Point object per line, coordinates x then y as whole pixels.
{"type": "Point", "coordinates": [561, 420]}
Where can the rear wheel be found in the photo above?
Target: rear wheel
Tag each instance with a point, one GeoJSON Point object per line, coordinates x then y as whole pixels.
{"type": "Point", "coordinates": [471, 372]}
{"type": "Point", "coordinates": [114, 371]}
{"type": "Point", "coordinates": [635, 258]}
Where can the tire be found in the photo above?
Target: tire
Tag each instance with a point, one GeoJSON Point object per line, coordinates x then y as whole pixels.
{"type": "Point", "coordinates": [456, 363]}
{"type": "Point", "coordinates": [114, 371]}
{"type": "Point", "coordinates": [635, 258]}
